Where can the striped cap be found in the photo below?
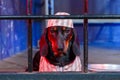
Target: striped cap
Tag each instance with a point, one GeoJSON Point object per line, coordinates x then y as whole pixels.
{"type": "Point", "coordinates": [60, 22]}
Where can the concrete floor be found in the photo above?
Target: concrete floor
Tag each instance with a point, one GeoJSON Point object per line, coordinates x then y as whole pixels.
{"type": "Point", "coordinates": [17, 63]}
{"type": "Point", "coordinates": [98, 60]}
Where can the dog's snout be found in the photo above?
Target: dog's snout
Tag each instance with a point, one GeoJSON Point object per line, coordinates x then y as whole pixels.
{"type": "Point", "coordinates": [60, 41]}
{"type": "Point", "coordinates": [60, 46]}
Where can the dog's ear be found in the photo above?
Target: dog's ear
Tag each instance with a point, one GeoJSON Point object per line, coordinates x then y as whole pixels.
{"type": "Point", "coordinates": [36, 61]}
{"type": "Point", "coordinates": [75, 44]}
{"type": "Point", "coordinates": [43, 44]}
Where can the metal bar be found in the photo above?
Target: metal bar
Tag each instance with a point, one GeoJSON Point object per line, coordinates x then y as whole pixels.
{"type": "Point", "coordinates": [85, 37]}
{"type": "Point", "coordinates": [85, 51]}
{"type": "Point", "coordinates": [60, 76]}
{"type": "Point", "coordinates": [30, 60]}
{"type": "Point", "coordinates": [63, 17]}
{"type": "Point", "coordinates": [29, 25]}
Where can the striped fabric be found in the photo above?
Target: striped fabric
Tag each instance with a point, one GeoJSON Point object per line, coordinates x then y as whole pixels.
{"type": "Point", "coordinates": [60, 22]}
{"type": "Point", "coordinates": [45, 66]}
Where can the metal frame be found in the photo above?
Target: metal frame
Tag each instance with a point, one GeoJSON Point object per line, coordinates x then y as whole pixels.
{"type": "Point", "coordinates": [29, 18]}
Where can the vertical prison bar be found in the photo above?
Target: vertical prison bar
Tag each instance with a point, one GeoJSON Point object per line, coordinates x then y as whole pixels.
{"type": "Point", "coordinates": [85, 34]}
{"type": "Point", "coordinates": [29, 23]}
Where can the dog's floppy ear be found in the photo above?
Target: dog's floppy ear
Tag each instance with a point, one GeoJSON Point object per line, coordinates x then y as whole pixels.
{"type": "Point", "coordinates": [43, 44]}
{"type": "Point", "coordinates": [75, 45]}
{"type": "Point", "coordinates": [42, 52]}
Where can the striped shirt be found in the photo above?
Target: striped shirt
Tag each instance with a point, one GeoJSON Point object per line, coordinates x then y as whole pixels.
{"type": "Point", "coordinates": [45, 66]}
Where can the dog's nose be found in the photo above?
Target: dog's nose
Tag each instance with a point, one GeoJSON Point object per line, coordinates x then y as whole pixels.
{"type": "Point", "coordinates": [60, 49]}
{"type": "Point", "coordinates": [60, 46]}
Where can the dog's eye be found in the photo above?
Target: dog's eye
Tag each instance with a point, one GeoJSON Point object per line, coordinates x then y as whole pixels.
{"type": "Point", "coordinates": [66, 30]}
{"type": "Point", "coordinates": [63, 28]}
{"type": "Point", "coordinates": [54, 29]}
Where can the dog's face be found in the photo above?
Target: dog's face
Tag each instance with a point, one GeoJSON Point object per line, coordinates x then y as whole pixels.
{"type": "Point", "coordinates": [60, 38]}
{"type": "Point", "coordinates": [59, 45]}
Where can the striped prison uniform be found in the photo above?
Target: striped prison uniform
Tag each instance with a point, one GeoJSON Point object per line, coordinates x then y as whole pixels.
{"type": "Point", "coordinates": [45, 66]}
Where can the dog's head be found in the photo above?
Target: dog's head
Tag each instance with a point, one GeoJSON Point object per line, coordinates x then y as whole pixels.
{"type": "Point", "coordinates": [59, 39]}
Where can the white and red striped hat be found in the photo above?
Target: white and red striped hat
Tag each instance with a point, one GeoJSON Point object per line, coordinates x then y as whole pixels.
{"type": "Point", "coordinates": [60, 22]}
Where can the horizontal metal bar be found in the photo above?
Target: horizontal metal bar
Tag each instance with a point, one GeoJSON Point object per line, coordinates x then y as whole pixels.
{"type": "Point", "coordinates": [60, 76]}
{"type": "Point", "coordinates": [63, 17]}
{"type": "Point", "coordinates": [98, 21]}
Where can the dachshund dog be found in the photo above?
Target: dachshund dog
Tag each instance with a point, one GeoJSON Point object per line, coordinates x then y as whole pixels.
{"type": "Point", "coordinates": [59, 49]}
